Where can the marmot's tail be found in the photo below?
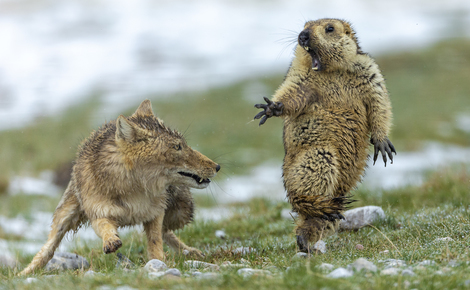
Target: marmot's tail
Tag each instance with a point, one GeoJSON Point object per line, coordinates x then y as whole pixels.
{"type": "Point", "coordinates": [319, 206]}
{"type": "Point", "coordinates": [66, 217]}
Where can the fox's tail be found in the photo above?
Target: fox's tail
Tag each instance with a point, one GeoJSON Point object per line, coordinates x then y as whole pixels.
{"type": "Point", "coordinates": [66, 217]}
{"type": "Point", "coordinates": [320, 206]}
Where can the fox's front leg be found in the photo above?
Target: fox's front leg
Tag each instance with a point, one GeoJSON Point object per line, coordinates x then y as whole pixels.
{"type": "Point", "coordinates": [172, 240]}
{"type": "Point", "coordinates": [106, 229]}
{"type": "Point", "coordinates": [153, 230]}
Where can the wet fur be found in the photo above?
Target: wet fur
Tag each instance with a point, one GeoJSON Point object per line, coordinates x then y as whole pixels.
{"type": "Point", "coordinates": [329, 116]}
{"type": "Point", "coordinates": [126, 173]}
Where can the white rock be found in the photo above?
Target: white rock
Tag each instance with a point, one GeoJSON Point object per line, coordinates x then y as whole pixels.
{"type": "Point", "coordinates": [362, 263]}
{"type": "Point", "coordinates": [340, 273]}
{"type": "Point", "coordinates": [173, 272]}
{"type": "Point", "coordinates": [246, 272]}
{"type": "Point", "coordinates": [426, 263]}
{"type": "Point", "coordinates": [193, 264]}
{"type": "Point", "coordinates": [326, 267]}
{"type": "Point", "coordinates": [359, 217]}
{"type": "Point", "coordinates": [319, 246]}
{"type": "Point", "coordinates": [446, 239]}
{"type": "Point", "coordinates": [393, 263]}
{"type": "Point", "coordinates": [390, 271]}
{"type": "Point", "coordinates": [155, 265]}
{"type": "Point", "coordinates": [407, 272]}
{"type": "Point", "coordinates": [154, 275]}
{"type": "Point", "coordinates": [220, 234]}
{"type": "Point", "coordinates": [243, 250]}
{"type": "Point", "coordinates": [300, 255]}
{"type": "Point", "coordinates": [91, 273]}
{"type": "Point", "coordinates": [208, 275]}
{"type": "Point", "coordinates": [64, 261]}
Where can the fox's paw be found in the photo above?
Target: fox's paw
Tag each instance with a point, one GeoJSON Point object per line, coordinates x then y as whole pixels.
{"type": "Point", "coordinates": [193, 252]}
{"type": "Point", "coordinates": [112, 244]}
{"type": "Point", "coordinates": [269, 109]}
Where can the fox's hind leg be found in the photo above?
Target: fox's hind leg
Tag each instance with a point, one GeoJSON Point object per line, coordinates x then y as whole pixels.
{"type": "Point", "coordinates": [67, 216]}
{"type": "Point", "coordinates": [106, 229]}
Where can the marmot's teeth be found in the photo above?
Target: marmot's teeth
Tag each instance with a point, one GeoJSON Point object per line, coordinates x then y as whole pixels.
{"type": "Point", "coordinates": [315, 68]}
{"type": "Point", "coordinates": [200, 181]}
{"type": "Point", "coordinates": [306, 48]}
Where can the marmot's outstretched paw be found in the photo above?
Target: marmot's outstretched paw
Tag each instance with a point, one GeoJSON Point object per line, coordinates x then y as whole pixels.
{"type": "Point", "coordinates": [385, 147]}
{"type": "Point", "coordinates": [270, 109]}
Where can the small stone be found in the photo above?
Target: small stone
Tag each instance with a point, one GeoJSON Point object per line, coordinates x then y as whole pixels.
{"type": "Point", "coordinates": [154, 275]}
{"type": "Point", "coordinates": [123, 262]}
{"type": "Point", "coordinates": [220, 234]}
{"type": "Point", "coordinates": [245, 261]}
{"type": "Point", "coordinates": [65, 261]}
{"type": "Point", "coordinates": [438, 272]}
{"type": "Point", "coordinates": [243, 250]}
{"type": "Point", "coordinates": [272, 268]}
{"type": "Point", "coordinates": [7, 261]}
{"type": "Point", "coordinates": [31, 280]}
{"type": "Point", "coordinates": [300, 255]}
{"type": "Point", "coordinates": [246, 272]}
{"type": "Point", "coordinates": [173, 271]}
{"type": "Point", "coordinates": [208, 276]}
{"type": "Point", "coordinates": [288, 214]}
{"type": "Point", "coordinates": [393, 263]}
{"type": "Point", "coordinates": [196, 273]}
{"type": "Point", "coordinates": [384, 252]}
{"type": "Point", "coordinates": [340, 273]}
{"type": "Point", "coordinates": [228, 264]}
{"type": "Point", "coordinates": [155, 265]}
{"type": "Point", "coordinates": [390, 271]}
{"type": "Point", "coordinates": [359, 247]}
{"type": "Point", "coordinates": [363, 264]}
{"type": "Point", "coordinates": [326, 267]}
{"type": "Point", "coordinates": [193, 264]}
{"type": "Point", "coordinates": [319, 247]}
{"type": "Point", "coordinates": [359, 217]}
{"type": "Point", "coordinates": [446, 239]}
{"type": "Point", "coordinates": [407, 272]}
{"type": "Point", "coordinates": [426, 263]}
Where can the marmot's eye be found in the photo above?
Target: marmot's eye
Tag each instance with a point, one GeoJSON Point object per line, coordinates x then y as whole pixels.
{"type": "Point", "coordinates": [177, 147]}
{"type": "Point", "coordinates": [330, 29]}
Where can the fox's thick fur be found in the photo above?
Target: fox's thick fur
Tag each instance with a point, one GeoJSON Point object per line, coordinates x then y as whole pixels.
{"type": "Point", "coordinates": [133, 170]}
{"type": "Point", "coordinates": [333, 101]}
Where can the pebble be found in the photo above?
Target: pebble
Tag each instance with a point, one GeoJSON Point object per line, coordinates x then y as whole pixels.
{"type": "Point", "coordinates": [220, 234]}
{"type": "Point", "coordinates": [173, 272]}
{"type": "Point", "coordinates": [326, 267]}
{"type": "Point", "coordinates": [393, 263]}
{"type": "Point", "coordinates": [390, 271]}
{"type": "Point", "coordinates": [300, 255]}
{"type": "Point", "coordinates": [91, 273]}
{"type": "Point", "coordinates": [228, 264]}
{"type": "Point", "coordinates": [319, 246]}
{"type": "Point", "coordinates": [407, 272]}
{"type": "Point", "coordinates": [359, 217]}
{"type": "Point", "coordinates": [31, 280]}
{"type": "Point", "coordinates": [363, 264]}
{"type": "Point", "coordinates": [246, 272]}
{"type": "Point", "coordinates": [65, 261]}
{"type": "Point", "coordinates": [155, 265]}
{"type": "Point", "coordinates": [154, 275]}
{"type": "Point", "coordinates": [244, 250]}
{"type": "Point", "coordinates": [426, 263]}
{"type": "Point", "coordinates": [7, 261]}
{"type": "Point", "coordinates": [384, 252]}
{"type": "Point", "coordinates": [446, 239]}
{"type": "Point", "coordinates": [208, 276]}
{"type": "Point", "coordinates": [340, 273]}
{"type": "Point", "coordinates": [193, 264]}
{"type": "Point", "coordinates": [359, 247]}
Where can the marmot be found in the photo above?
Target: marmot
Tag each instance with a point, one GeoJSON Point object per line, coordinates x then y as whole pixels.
{"type": "Point", "coordinates": [133, 170]}
{"type": "Point", "coordinates": [333, 99]}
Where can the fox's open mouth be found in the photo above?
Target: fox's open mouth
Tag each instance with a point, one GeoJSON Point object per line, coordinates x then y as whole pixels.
{"type": "Point", "coordinates": [197, 178]}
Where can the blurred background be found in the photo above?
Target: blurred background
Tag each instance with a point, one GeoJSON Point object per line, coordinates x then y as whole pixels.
{"type": "Point", "coordinates": [66, 67]}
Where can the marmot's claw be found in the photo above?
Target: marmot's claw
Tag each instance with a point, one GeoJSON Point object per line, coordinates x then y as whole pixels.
{"type": "Point", "coordinates": [385, 147]}
{"type": "Point", "coordinates": [269, 109]}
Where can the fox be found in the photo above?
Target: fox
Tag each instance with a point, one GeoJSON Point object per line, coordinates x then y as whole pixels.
{"type": "Point", "coordinates": [132, 170]}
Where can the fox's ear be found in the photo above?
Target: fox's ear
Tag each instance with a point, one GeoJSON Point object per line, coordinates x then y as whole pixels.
{"type": "Point", "coordinates": [145, 109]}
{"type": "Point", "coordinates": [126, 130]}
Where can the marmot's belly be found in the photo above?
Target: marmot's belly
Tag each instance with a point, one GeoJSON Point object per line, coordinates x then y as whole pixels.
{"type": "Point", "coordinates": [342, 133]}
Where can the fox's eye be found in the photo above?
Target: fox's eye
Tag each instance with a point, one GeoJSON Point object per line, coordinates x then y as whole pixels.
{"type": "Point", "coordinates": [177, 147]}
{"type": "Point", "coordinates": [330, 29]}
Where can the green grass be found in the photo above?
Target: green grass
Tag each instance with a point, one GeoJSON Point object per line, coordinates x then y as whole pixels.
{"type": "Point", "coordinates": [428, 88]}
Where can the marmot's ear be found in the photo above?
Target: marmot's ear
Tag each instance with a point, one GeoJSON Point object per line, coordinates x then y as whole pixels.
{"type": "Point", "coordinates": [126, 130]}
{"type": "Point", "coordinates": [145, 109]}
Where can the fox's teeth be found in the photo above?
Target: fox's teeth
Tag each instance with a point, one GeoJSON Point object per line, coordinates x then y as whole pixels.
{"type": "Point", "coordinates": [306, 48]}
{"type": "Point", "coordinates": [200, 181]}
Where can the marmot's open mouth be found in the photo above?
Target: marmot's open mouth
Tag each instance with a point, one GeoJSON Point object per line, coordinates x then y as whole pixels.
{"type": "Point", "coordinates": [316, 66]}
{"type": "Point", "coordinates": [197, 178]}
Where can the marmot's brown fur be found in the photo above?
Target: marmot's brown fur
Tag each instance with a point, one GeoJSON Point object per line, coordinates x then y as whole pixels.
{"type": "Point", "coordinates": [333, 100]}
{"type": "Point", "coordinates": [133, 170]}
